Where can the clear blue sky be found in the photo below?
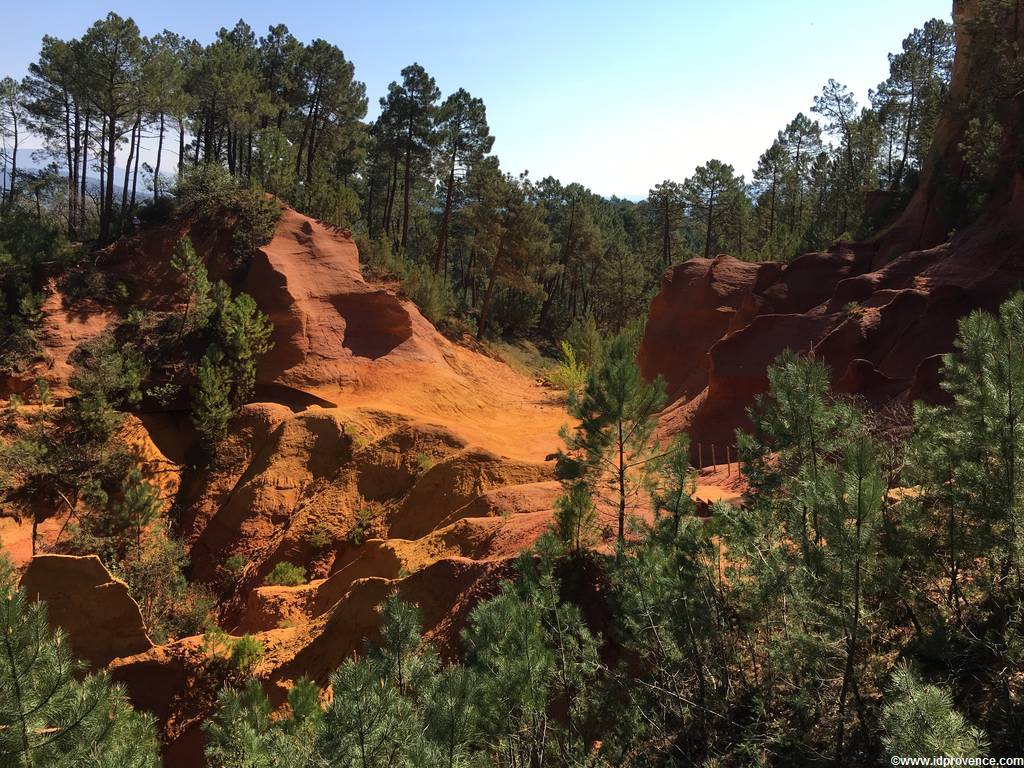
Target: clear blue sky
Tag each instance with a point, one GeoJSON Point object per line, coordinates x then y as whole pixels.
{"type": "Point", "coordinates": [615, 95]}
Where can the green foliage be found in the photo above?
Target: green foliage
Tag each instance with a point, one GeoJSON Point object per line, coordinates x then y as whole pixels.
{"type": "Point", "coordinates": [920, 719]}
{"type": "Point", "coordinates": [363, 525]}
{"type": "Point", "coordinates": [243, 333]}
{"type": "Point", "coordinates": [672, 482]}
{"type": "Point", "coordinates": [400, 656]}
{"type": "Point", "coordinates": [424, 462]}
{"type": "Point", "coordinates": [966, 461]}
{"type": "Point", "coordinates": [42, 392]}
{"type": "Point", "coordinates": [103, 368]}
{"type": "Point", "coordinates": [586, 341]}
{"type": "Point", "coordinates": [613, 441]}
{"type": "Point", "coordinates": [50, 712]}
{"type": "Point", "coordinates": [211, 404]}
{"type": "Point", "coordinates": [197, 288]}
{"type": "Point", "coordinates": [246, 653]}
{"type": "Point", "coordinates": [232, 570]}
{"type": "Point", "coordinates": [171, 606]}
{"type": "Point", "coordinates": [116, 531]}
{"type": "Point", "coordinates": [29, 251]}
{"type": "Point", "coordinates": [210, 191]}
{"type": "Point", "coordinates": [226, 377]}
{"type": "Point", "coordinates": [285, 574]}
{"type": "Point", "coordinates": [431, 293]}
{"type": "Point", "coordinates": [243, 734]}
{"type": "Point", "coordinates": [570, 374]}
{"type": "Point", "coordinates": [368, 724]}
{"type": "Point", "coordinates": [576, 517]}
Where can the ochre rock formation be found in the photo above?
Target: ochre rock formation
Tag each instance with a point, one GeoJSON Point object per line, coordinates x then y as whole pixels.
{"type": "Point", "coordinates": [101, 619]}
{"type": "Point", "coordinates": [880, 314]}
{"type": "Point", "coordinates": [380, 456]}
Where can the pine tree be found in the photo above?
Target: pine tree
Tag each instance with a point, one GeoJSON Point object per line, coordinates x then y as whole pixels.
{"type": "Point", "coordinates": [508, 646]}
{"type": "Point", "coordinates": [464, 139]}
{"type": "Point", "coordinates": [140, 505]}
{"type": "Point", "coordinates": [399, 655]}
{"type": "Point", "coordinates": [413, 108]}
{"type": "Point", "coordinates": [243, 333]}
{"type": "Point", "coordinates": [51, 714]}
{"type": "Point", "coordinates": [112, 58]}
{"type": "Point", "coordinates": [796, 428]}
{"type": "Point", "coordinates": [368, 724]}
{"type": "Point", "coordinates": [969, 460]}
{"type": "Point", "coordinates": [244, 734]}
{"type": "Point", "coordinates": [576, 517]}
{"type": "Point", "coordinates": [919, 720]}
{"type": "Point", "coordinates": [211, 404]}
{"type": "Point", "coordinates": [12, 128]}
{"type": "Point", "coordinates": [451, 718]}
{"type": "Point", "coordinates": [198, 304]}
{"type": "Point", "coordinates": [713, 194]}
{"type": "Point", "coordinates": [613, 441]}
{"type": "Point", "coordinates": [851, 519]}
{"type": "Point", "coordinates": [664, 210]}
{"type": "Point", "coordinates": [673, 481]}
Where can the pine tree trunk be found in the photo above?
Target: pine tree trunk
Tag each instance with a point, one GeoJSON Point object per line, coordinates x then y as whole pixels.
{"type": "Point", "coordinates": [390, 203]}
{"type": "Point", "coordinates": [110, 158]}
{"type": "Point", "coordinates": [707, 231]}
{"type": "Point", "coordinates": [159, 153]}
{"type": "Point", "coordinates": [12, 193]}
{"type": "Point", "coordinates": [127, 174]}
{"type": "Point", "coordinates": [407, 185]}
{"type": "Point", "coordinates": [101, 157]}
{"type": "Point", "coordinates": [442, 238]}
{"type": "Point", "coordinates": [622, 490]}
{"type": "Point", "coordinates": [71, 166]}
{"type": "Point", "coordinates": [85, 167]}
{"type": "Point", "coordinates": [135, 175]}
{"type": "Point", "coordinates": [181, 147]}
{"type": "Point", "coordinates": [486, 307]}
{"type": "Point", "coordinates": [666, 246]}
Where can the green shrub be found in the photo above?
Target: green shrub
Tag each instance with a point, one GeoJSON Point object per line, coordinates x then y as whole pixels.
{"type": "Point", "coordinates": [285, 574]}
{"type": "Point", "coordinates": [424, 462]}
{"type": "Point", "coordinates": [210, 191]}
{"type": "Point", "coordinates": [570, 374]}
{"type": "Point", "coordinates": [316, 539]}
{"type": "Point", "coordinates": [104, 368]}
{"type": "Point", "coordinates": [30, 251]}
{"type": "Point", "coordinates": [585, 339]}
{"type": "Point", "coordinates": [362, 526]}
{"type": "Point", "coordinates": [430, 292]}
{"type": "Point", "coordinates": [920, 719]}
{"type": "Point", "coordinates": [42, 391]}
{"type": "Point", "coordinates": [246, 653]}
{"type": "Point", "coordinates": [232, 570]}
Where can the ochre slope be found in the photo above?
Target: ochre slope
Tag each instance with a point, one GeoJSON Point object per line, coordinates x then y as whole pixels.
{"type": "Point", "coordinates": [382, 456]}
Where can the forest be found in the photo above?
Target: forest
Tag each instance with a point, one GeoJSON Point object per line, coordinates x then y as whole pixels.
{"type": "Point", "coordinates": [481, 248]}
{"type": "Point", "coordinates": [863, 602]}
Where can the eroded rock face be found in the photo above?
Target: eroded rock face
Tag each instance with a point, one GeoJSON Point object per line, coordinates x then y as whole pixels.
{"type": "Point", "coordinates": [879, 314]}
{"type": "Point", "coordinates": [879, 328]}
{"type": "Point", "coordinates": [698, 302]}
{"type": "Point", "coordinates": [307, 280]}
{"type": "Point", "coordinates": [94, 609]}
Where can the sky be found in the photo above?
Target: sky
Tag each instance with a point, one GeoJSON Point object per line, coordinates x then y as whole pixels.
{"type": "Point", "coordinates": [617, 96]}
